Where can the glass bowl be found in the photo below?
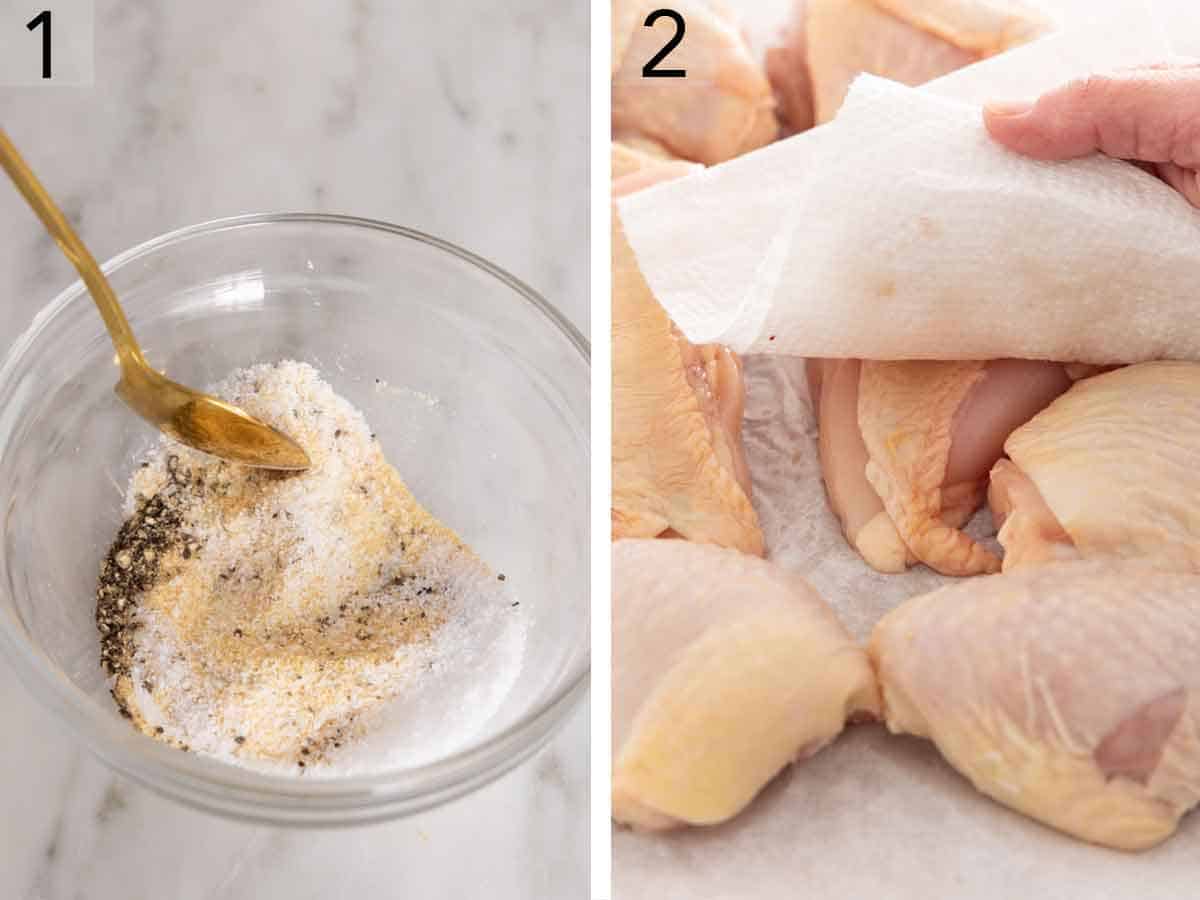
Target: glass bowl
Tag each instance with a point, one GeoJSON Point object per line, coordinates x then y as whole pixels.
{"type": "Point", "coordinates": [482, 406]}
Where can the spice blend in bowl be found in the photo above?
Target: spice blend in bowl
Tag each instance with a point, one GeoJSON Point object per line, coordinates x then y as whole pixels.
{"type": "Point", "coordinates": [478, 392]}
{"type": "Point", "coordinates": [278, 619]}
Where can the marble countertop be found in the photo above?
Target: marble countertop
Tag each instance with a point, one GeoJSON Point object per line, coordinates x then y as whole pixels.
{"type": "Point", "coordinates": [464, 119]}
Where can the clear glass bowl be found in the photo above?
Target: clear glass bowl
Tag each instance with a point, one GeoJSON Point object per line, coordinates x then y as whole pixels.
{"type": "Point", "coordinates": [484, 410]}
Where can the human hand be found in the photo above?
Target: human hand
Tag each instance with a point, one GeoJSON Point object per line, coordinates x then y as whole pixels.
{"type": "Point", "coordinates": [1149, 115]}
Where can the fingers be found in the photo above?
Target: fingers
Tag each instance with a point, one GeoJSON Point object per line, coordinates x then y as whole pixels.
{"type": "Point", "coordinates": [1150, 114]}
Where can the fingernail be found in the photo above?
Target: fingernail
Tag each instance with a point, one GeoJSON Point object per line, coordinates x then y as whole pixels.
{"type": "Point", "coordinates": [1008, 108]}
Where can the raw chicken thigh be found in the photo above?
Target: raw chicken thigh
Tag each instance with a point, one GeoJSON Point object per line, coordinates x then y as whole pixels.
{"type": "Point", "coordinates": [725, 669]}
{"type": "Point", "coordinates": [911, 41]}
{"type": "Point", "coordinates": [634, 156]}
{"type": "Point", "coordinates": [1089, 720]}
{"type": "Point", "coordinates": [846, 37]}
{"type": "Point", "coordinates": [906, 448]}
{"type": "Point", "coordinates": [985, 27]}
{"type": "Point", "coordinates": [633, 170]}
{"type": "Point", "coordinates": [723, 108]}
{"type": "Point", "coordinates": [1109, 469]}
{"type": "Point", "coordinates": [833, 385]}
{"type": "Point", "coordinates": [787, 70]}
{"type": "Point", "coordinates": [678, 465]}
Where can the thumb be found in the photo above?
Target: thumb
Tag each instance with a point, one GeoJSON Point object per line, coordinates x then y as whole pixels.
{"type": "Point", "coordinates": [1149, 114]}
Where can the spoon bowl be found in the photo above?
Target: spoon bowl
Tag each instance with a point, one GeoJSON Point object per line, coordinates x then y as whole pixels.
{"type": "Point", "coordinates": [190, 417]}
{"type": "Point", "coordinates": [206, 423]}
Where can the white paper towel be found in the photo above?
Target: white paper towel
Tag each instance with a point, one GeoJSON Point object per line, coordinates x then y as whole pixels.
{"type": "Point", "coordinates": [901, 231]}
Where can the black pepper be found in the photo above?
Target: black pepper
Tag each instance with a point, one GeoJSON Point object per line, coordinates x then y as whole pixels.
{"type": "Point", "coordinates": [129, 569]}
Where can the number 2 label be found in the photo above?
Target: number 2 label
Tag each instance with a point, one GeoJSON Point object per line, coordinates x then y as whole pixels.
{"type": "Point", "coordinates": [649, 70]}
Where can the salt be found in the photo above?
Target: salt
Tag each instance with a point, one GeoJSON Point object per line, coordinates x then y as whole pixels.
{"type": "Point", "coordinates": [320, 622]}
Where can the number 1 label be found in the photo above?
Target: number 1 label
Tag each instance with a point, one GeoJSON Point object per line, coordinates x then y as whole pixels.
{"type": "Point", "coordinates": [47, 43]}
{"type": "Point", "coordinates": [43, 19]}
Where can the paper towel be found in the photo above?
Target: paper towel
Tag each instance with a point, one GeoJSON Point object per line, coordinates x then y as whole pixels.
{"type": "Point", "coordinates": [901, 231]}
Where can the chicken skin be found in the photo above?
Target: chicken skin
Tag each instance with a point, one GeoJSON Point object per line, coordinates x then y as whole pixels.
{"type": "Point", "coordinates": [1108, 469]}
{"type": "Point", "coordinates": [906, 448]}
{"type": "Point", "coordinates": [1068, 692]}
{"type": "Point", "coordinates": [678, 464]}
{"type": "Point", "coordinates": [722, 108]}
{"type": "Point", "coordinates": [725, 669]}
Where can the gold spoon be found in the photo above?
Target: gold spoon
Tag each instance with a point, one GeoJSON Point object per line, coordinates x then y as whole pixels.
{"type": "Point", "coordinates": [193, 418]}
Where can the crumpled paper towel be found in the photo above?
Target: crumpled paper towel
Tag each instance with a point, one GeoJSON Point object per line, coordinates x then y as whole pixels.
{"type": "Point", "coordinates": [902, 231]}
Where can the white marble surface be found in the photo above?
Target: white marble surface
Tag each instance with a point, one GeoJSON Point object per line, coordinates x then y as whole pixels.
{"type": "Point", "coordinates": [465, 119]}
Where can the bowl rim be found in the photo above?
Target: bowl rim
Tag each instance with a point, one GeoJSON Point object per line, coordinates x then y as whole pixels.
{"type": "Point", "coordinates": [264, 796]}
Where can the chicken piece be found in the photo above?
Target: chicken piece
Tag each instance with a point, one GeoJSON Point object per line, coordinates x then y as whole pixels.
{"type": "Point", "coordinates": [915, 439]}
{"type": "Point", "coordinates": [833, 384]}
{"type": "Point", "coordinates": [627, 17]}
{"type": "Point", "coordinates": [723, 108]}
{"type": "Point", "coordinates": [1089, 718]}
{"type": "Point", "coordinates": [985, 27]}
{"type": "Point", "coordinates": [633, 171]}
{"type": "Point", "coordinates": [787, 70]}
{"type": "Point", "coordinates": [1108, 469]}
{"type": "Point", "coordinates": [678, 464]}
{"type": "Point", "coordinates": [725, 669]}
{"type": "Point", "coordinates": [847, 37]}
{"type": "Point", "coordinates": [1030, 533]}
{"type": "Point", "coordinates": [932, 431]}
{"type": "Point", "coordinates": [910, 41]}
{"type": "Point", "coordinates": [634, 156]}
{"type": "Point", "coordinates": [653, 174]}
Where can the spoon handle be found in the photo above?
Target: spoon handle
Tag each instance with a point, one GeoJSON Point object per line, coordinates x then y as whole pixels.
{"type": "Point", "coordinates": [70, 244]}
